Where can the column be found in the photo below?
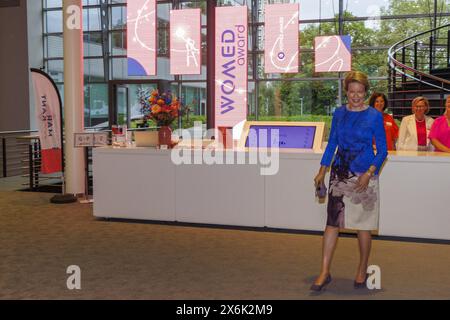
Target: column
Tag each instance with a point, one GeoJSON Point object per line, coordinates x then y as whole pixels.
{"type": "Point", "coordinates": [73, 94]}
{"type": "Point", "coordinates": [211, 63]}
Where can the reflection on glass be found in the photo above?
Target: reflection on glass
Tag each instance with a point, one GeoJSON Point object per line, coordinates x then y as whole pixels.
{"type": "Point", "coordinates": [270, 96]}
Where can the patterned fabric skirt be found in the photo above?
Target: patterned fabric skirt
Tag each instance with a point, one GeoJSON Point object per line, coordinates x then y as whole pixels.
{"type": "Point", "coordinates": [349, 209]}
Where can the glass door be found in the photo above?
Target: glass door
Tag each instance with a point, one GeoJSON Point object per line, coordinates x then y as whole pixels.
{"type": "Point", "coordinates": [122, 105]}
{"type": "Point", "coordinates": [139, 92]}
{"type": "Point", "coordinates": [126, 97]}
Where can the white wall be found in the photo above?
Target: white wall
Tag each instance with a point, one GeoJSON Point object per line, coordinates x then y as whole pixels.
{"type": "Point", "coordinates": [14, 84]}
{"type": "Point", "coordinates": [36, 53]}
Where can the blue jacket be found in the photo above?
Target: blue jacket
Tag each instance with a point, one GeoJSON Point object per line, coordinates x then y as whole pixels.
{"type": "Point", "coordinates": [352, 133]}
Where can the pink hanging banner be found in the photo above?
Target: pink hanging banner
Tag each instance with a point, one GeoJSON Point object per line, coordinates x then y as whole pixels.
{"type": "Point", "coordinates": [185, 41]}
{"type": "Point", "coordinates": [141, 37]}
{"type": "Point", "coordinates": [333, 54]}
{"type": "Point", "coordinates": [231, 66]}
{"type": "Point", "coordinates": [281, 38]}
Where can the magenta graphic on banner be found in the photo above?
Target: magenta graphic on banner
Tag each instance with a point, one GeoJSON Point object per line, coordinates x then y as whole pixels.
{"type": "Point", "coordinates": [185, 42]}
{"type": "Point", "coordinates": [281, 38]}
{"type": "Point", "coordinates": [141, 35]}
{"type": "Point", "coordinates": [333, 54]}
{"type": "Point", "coordinates": [48, 119]}
{"type": "Point", "coordinates": [231, 65]}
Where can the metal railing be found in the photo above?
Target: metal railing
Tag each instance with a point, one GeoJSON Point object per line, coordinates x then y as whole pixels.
{"type": "Point", "coordinates": [21, 156]}
{"type": "Point", "coordinates": [414, 66]}
{"type": "Point", "coordinates": [12, 152]}
{"type": "Point", "coordinates": [424, 49]}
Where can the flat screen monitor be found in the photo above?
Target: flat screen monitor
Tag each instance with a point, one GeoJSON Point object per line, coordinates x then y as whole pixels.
{"type": "Point", "coordinates": [291, 135]}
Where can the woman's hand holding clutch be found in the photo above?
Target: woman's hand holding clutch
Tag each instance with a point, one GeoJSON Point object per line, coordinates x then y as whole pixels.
{"type": "Point", "coordinates": [320, 177]}
{"type": "Point", "coordinates": [363, 182]}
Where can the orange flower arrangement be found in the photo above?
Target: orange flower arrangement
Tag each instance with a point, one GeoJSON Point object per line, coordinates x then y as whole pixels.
{"type": "Point", "coordinates": [163, 109]}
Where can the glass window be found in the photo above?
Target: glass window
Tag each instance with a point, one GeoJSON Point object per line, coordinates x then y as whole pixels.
{"type": "Point", "coordinates": [135, 91]}
{"type": "Point", "coordinates": [53, 3]}
{"type": "Point", "coordinates": [118, 18]}
{"type": "Point", "coordinates": [366, 8]}
{"type": "Point", "coordinates": [53, 46]}
{"type": "Point", "coordinates": [91, 19]}
{"type": "Point", "coordinates": [92, 44]}
{"type": "Point", "coordinates": [297, 100]}
{"type": "Point", "coordinates": [284, 99]}
{"type": "Point", "coordinates": [193, 98]}
{"type": "Point", "coordinates": [96, 105]}
{"type": "Point", "coordinates": [53, 21]}
{"type": "Point", "coordinates": [374, 25]}
{"type": "Point", "coordinates": [118, 39]}
{"type": "Point", "coordinates": [94, 70]}
{"type": "Point", "coordinates": [55, 69]}
{"type": "Point", "coordinates": [371, 62]}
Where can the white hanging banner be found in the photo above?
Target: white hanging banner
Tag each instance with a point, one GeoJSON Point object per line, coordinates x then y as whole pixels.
{"type": "Point", "coordinates": [281, 40]}
{"type": "Point", "coordinates": [231, 73]}
{"type": "Point", "coordinates": [185, 41]}
{"type": "Point", "coordinates": [141, 37]}
{"type": "Point", "coordinates": [48, 116]}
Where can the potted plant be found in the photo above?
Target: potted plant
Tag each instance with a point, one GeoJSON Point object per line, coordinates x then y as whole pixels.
{"type": "Point", "coordinates": [163, 109]}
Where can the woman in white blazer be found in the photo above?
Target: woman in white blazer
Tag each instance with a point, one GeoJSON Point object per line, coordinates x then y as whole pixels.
{"type": "Point", "coordinates": [415, 128]}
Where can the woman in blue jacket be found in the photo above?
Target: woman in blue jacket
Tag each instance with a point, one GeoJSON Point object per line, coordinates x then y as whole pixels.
{"type": "Point", "coordinates": [353, 198]}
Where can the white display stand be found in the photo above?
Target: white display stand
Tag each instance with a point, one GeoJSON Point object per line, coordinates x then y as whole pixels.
{"type": "Point", "coordinates": [290, 201]}
{"type": "Point", "coordinates": [143, 183]}
{"type": "Point", "coordinates": [134, 183]}
{"type": "Point", "coordinates": [220, 194]}
{"type": "Point", "coordinates": [414, 193]}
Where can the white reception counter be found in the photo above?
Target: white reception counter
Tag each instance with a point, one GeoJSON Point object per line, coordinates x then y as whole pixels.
{"type": "Point", "coordinates": [144, 183]}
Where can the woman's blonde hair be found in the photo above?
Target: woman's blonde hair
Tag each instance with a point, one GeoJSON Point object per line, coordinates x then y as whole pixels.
{"type": "Point", "coordinates": [356, 76]}
{"type": "Point", "coordinates": [416, 101]}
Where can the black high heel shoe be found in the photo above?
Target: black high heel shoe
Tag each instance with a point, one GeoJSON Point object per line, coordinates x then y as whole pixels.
{"type": "Point", "coordinates": [319, 287]}
{"type": "Point", "coordinates": [361, 285]}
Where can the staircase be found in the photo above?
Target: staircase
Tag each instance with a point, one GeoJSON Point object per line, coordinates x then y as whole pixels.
{"type": "Point", "coordinates": [420, 66]}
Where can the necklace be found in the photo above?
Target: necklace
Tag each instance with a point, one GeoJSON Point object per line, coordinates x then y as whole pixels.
{"type": "Point", "coordinates": [357, 108]}
{"type": "Point", "coordinates": [420, 120]}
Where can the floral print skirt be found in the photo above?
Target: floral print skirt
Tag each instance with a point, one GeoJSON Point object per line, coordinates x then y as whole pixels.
{"type": "Point", "coordinates": [349, 209]}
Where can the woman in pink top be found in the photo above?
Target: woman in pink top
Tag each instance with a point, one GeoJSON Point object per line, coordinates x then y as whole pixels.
{"type": "Point", "coordinates": [440, 131]}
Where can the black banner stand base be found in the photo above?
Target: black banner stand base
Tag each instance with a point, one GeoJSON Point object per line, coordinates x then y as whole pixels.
{"type": "Point", "coordinates": [63, 199]}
